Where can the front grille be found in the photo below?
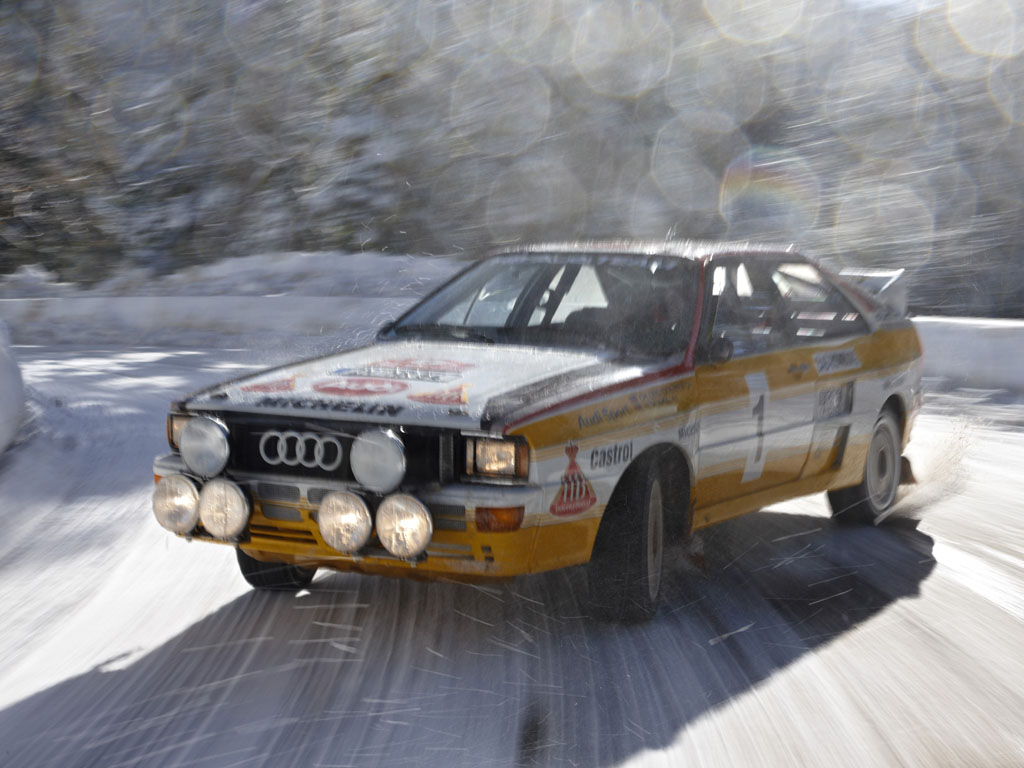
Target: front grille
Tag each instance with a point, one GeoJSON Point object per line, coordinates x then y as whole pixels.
{"type": "Point", "coordinates": [277, 492]}
{"type": "Point", "coordinates": [448, 517]}
{"type": "Point", "coordinates": [278, 512]}
{"type": "Point", "coordinates": [428, 452]}
{"type": "Point", "coordinates": [266, 531]}
{"type": "Point", "coordinates": [291, 535]}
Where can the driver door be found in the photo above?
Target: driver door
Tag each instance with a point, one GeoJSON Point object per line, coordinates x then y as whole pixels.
{"type": "Point", "coordinates": [757, 408]}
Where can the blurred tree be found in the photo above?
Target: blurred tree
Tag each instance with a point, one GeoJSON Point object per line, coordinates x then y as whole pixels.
{"type": "Point", "coordinates": [168, 134]}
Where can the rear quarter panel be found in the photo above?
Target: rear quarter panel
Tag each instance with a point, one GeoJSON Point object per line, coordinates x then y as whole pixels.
{"type": "Point", "coordinates": [889, 367]}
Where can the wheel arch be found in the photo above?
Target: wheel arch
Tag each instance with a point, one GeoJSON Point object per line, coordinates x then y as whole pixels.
{"type": "Point", "coordinates": [898, 408]}
{"type": "Point", "coordinates": [676, 471]}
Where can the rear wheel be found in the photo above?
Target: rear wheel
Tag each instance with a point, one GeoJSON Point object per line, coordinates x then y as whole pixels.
{"type": "Point", "coordinates": [283, 576]}
{"type": "Point", "coordinates": [872, 500]}
{"type": "Point", "coordinates": [624, 574]}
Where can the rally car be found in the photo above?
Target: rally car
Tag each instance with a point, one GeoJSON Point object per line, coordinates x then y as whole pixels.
{"type": "Point", "coordinates": [551, 406]}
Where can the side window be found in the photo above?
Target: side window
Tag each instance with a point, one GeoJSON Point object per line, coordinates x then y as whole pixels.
{"type": "Point", "coordinates": [815, 308]}
{"type": "Point", "coordinates": [746, 305]}
{"type": "Point", "coordinates": [646, 310]}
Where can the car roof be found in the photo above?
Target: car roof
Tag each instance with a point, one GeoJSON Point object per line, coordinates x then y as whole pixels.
{"type": "Point", "coordinates": [698, 250]}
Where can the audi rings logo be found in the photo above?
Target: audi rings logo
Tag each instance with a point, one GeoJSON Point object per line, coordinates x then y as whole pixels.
{"type": "Point", "coordinates": [306, 449]}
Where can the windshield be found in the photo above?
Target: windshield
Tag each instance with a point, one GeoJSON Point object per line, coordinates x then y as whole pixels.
{"type": "Point", "coordinates": [633, 305]}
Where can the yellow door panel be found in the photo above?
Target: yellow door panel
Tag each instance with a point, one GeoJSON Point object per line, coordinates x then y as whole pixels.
{"type": "Point", "coordinates": [755, 424]}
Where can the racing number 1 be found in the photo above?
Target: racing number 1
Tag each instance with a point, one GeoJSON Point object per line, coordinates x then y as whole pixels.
{"type": "Point", "coordinates": [759, 415]}
{"type": "Point", "coordinates": [760, 395]}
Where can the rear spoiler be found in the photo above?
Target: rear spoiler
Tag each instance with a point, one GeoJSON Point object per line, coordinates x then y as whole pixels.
{"type": "Point", "coordinates": [884, 285]}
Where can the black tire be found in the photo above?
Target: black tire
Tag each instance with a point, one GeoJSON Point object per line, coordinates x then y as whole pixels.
{"type": "Point", "coordinates": [282, 576]}
{"type": "Point", "coordinates": [625, 570]}
{"type": "Point", "coordinates": [871, 500]}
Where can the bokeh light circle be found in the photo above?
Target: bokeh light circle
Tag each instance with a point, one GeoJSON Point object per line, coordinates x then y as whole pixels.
{"type": "Point", "coordinates": [986, 27]}
{"type": "Point", "coordinates": [499, 107]}
{"type": "Point", "coordinates": [944, 51]}
{"type": "Point", "coordinates": [679, 172]}
{"type": "Point", "coordinates": [882, 223]}
{"type": "Point", "coordinates": [770, 194]}
{"type": "Point", "coordinates": [622, 48]}
{"type": "Point", "coordinates": [536, 198]}
{"type": "Point", "coordinates": [754, 21]}
{"type": "Point", "coordinates": [273, 35]}
{"type": "Point", "coordinates": [1006, 88]}
{"type": "Point", "coordinates": [517, 23]}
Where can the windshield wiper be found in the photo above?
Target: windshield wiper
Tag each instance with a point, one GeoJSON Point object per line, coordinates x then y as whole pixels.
{"type": "Point", "coordinates": [437, 329]}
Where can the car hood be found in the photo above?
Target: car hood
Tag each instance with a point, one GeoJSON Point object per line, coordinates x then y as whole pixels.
{"type": "Point", "coordinates": [456, 385]}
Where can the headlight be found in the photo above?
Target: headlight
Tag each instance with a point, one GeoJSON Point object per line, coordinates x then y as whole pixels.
{"type": "Point", "coordinates": [344, 521]}
{"type": "Point", "coordinates": [404, 526]}
{"type": "Point", "coordinates": [204, 446]}
{"type": "Point", "coordinates": [498, 458]}
{"type": "Point", "coordinates": [175, 426]}
{"type": "Point", "coordinates": [176, 503]}
{"type": "Point", "coordinates": [377, 459]}
{"type": "Point", "coordinates": [223, 509]}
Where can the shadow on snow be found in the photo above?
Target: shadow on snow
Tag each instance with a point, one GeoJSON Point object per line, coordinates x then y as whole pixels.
{"type": "Point", "coordinates": [372, 671]}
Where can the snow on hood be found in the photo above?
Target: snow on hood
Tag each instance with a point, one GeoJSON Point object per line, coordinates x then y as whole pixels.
{"type": "Point", "coordinates": [409, 382]}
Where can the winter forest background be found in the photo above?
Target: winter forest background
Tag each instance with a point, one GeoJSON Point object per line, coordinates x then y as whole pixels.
{"type": "Point", "coordinates": [163, 134]}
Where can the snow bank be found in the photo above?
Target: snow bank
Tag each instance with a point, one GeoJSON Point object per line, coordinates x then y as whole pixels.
{"type": "Point", "coordinates": [259, 300]}
{"type": "Point", "coordinates": [192, 320]}
{"type": "Point", "coordinates": [323, 273]}
{"type": "Point", "coordinates": [973, 352]}
{"type": "Point", "coordinates": [12, 391]}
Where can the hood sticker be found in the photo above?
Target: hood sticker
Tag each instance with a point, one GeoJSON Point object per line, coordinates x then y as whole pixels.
{"type": "Point", "coordinates": [575, 495]}
{"type": "Point", "coordinates": [410, 369]}
{"type": "Point", "coordinates": [333, 406]}
{"type": "Point", "coordinates": [281, 385]}
{"type": "Point", "coordinates": [359, 387]}
{"type": "Point", "coordinates": [451, 396]}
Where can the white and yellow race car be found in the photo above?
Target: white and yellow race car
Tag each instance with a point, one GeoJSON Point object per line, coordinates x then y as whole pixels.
{"type": "Point", "coordinates": [550, 406]}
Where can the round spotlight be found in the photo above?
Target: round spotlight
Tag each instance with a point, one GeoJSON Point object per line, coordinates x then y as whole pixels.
{"type": "Point", "coordinates": [404, 526]}
{"type": "Point", "coordinates": [344, 521]}
{"type": "Point", "coordinates": [204, 446]}
{"type": "Point", "coordinates": [377, 459]}
{"type": "Point", "coordinates": [223, 509]}
{"type": "Point", "coordinates": [176, 503]}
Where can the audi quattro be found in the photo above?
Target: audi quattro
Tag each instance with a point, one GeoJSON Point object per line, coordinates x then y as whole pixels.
{"type": "Point", "coordinates": [551, 406]}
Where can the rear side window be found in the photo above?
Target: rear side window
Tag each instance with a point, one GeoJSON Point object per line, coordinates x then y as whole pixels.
{"type": "Point", "coordinates": [747, 307]}
{"type": "Point", "coordinates": [816, 309]}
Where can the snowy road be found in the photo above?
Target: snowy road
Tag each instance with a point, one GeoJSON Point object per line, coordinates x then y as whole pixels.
{"type": "Point", "coordinates": [809, 644]}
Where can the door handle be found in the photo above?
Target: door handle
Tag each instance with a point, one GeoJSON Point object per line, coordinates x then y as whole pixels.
{"type": "Point", "coordinates": [798, 370]}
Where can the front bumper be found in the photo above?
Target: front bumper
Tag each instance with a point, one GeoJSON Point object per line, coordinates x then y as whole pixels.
{"type": "Point", "coordinates": [283, 528]}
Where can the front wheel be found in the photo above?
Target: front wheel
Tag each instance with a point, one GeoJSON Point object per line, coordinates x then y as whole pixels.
{"type": "Point", "coordinates": [624, 574]}
{"type": "Point", "coordinates": [282, 576]}
{"type": "Point", "coordinates": [872, 500]}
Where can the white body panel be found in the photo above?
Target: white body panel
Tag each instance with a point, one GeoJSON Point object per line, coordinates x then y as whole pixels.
{"type": "Point", "coordinates": [414, 382]}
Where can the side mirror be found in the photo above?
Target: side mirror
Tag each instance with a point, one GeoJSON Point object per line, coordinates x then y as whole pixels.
{"type": "Point", "coordinates": [720, 351]}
